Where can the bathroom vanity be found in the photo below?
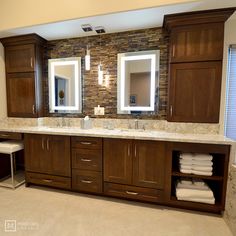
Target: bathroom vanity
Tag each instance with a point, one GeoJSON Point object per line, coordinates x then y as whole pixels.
{"type": "Point", "coordinates": [129, 164]}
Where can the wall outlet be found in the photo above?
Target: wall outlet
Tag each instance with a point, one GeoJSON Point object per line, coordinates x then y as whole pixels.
{"type": "Point", "coordinates": [99, 111]}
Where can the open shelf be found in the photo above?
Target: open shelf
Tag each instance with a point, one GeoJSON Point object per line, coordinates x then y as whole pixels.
{"type": "Point", "coordinates": [213, 177]}
{"type": "Point", "coordinates": [217, 207]}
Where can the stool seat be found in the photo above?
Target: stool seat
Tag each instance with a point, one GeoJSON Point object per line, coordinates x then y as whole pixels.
{"type": "Point", "coordinates": [8, 147]}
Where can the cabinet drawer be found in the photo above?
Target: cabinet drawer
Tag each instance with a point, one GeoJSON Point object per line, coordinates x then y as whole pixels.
{"type": "Point", "coordinates": [9, 135]}
{"type": "Point", "coordinates": [49, 180]}
{"type": "Point", "coordinates": [88, 181]}
{"type": "Point", "coordinates": [125, 191]}
{"type": "Point", "coordinates": [87, 159]}
{"type": "Point", "coordinates": [86, 142]}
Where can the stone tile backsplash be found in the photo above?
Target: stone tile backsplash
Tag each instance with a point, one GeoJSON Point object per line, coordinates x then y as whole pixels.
{"type": "Point", "coordinates": [101, 123]}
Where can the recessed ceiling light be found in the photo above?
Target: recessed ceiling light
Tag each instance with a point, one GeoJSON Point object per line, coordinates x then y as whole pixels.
{"type": "Point", "coordinates": [87, 27]}
{"type": "Point", "coordinates": [100, 29]}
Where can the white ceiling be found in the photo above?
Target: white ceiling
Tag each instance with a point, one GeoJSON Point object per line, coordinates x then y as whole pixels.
{"type": "Point", "coordinates": [123, 21]}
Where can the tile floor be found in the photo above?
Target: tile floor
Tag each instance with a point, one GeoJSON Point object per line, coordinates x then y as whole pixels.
{"type": "Point", "coordinates": [46, 212]}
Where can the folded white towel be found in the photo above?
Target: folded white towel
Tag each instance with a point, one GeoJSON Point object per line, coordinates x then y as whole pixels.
{"type": "Point", "coordinates": [196, 167]}
{"type": "Point", "coordinates": [201, 200]}
{"type": "Point", "coordinates": [197, 172]}
{"type": "Point", "coordinates": [185, 171]}
{"type": "Point", "coordinates": [203, 157]}
{"type": "Point", "coordinates": [202, 168]}
{"type": "Point", "coordinates": [198, 182]}
{"type": "Point", "coordinates": [187, 156]}
{"type": "Point", "coordinates": [193, 193]}
{"type": "Point", "coordinates": [185, 181]}
{"type": "Point", "coordinates": [193, 186]}
{"type": "Point", "coordinates": [195, 162]}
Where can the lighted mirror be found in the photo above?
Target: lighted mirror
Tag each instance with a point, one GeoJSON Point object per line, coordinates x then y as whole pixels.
{"type": "Point", "coordinates": [65, 85]}
{"type": "Point", "coordinates": [138, 79]}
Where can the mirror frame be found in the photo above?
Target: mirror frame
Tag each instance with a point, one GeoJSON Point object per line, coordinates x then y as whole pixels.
{"type": "Point", "coordinates": [154, 55]}
{"type": "Point", "coordinates": [76, 61]}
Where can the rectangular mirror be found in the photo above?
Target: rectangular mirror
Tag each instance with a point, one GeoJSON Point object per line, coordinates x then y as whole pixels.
{"type": "Point", "coordinates": [138, 79]}
{"type": "Point", "coordinates": [65, 95]}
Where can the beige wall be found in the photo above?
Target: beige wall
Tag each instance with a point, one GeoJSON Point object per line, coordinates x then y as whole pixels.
{"type": "Point", "coordinates": [230, 38]}
{"type": "Point", "coordinates": [16, 14]}
{"type": "Point", "coordinates": [3, 100]}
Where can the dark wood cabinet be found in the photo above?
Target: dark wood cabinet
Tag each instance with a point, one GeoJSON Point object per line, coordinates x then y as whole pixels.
{"type": "Point", "coordinates": [24, 75]}
{"type": "Point", "coordinates": [21, 95]}
{"type": "Point", "coordinates": [195, 69]}
{"type": "Point", "coordinates": [149, 164]}
{"type": "Point", "coordinates": [134, 163]}
{"type": "Point", "coordinates": [87, 164]}
{"type": "Point", "coordinates": [117, 154]}
{"type": "Point", "coordinates": [48, 154]}
{"type": "Point", "coordinates": [20, 58]}
{"type": "Point", "coordinates": [194, 92]}
{"type": "Point", "coordinates": [203, 42]}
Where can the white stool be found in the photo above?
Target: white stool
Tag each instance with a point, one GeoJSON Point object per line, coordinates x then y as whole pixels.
{"type": "Point", "coordinates": [11, 147]}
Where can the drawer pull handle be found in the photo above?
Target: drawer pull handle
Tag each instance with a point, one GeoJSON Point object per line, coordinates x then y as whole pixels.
{"type": "Point", "coordinates": [86, 160]}
{"type": "Point", "coordinates": [47, 180]}
{"type": "Point", "coordinates": [86, 181]}
{"type": "Point", "coordinates": [5, 135]}
{"type": "Point", "coordinates": [131, 193]}
{"type": "Point", "coordinates": [86, 143]}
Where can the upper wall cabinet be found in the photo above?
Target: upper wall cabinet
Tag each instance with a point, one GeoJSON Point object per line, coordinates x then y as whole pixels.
{"type": "Point", "coordinates": [20, 58]}
{"type": "Point", "coordinates": [196, 53]}
{"type": "Point", "coordinates": [198, 43]}
{"type": "Point", "coordinates": [24, 59]}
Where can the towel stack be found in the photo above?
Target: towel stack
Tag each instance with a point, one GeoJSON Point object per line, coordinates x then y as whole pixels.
{"type": "Point", "coordinates": [196, 163]}
{"type": "Point", "coordinates": [194, 191]}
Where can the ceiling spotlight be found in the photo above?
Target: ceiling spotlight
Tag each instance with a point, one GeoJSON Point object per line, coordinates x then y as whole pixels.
{"type": "Point", "coordinates": [87, 27]}
{"type": "Point", "coordinates": [100, 29]}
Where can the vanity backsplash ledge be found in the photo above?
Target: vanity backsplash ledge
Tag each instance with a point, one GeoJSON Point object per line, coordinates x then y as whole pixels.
{"type": "Point", "coordinates": [102, 123]}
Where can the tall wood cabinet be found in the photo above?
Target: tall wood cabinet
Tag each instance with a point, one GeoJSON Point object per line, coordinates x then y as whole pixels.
{"type": "Point", "coordinates": [24, 59]}
{"type": "Point", "coordinates": [195, 65]}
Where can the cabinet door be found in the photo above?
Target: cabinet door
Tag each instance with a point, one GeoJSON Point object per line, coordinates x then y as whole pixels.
{"type": "Point", "coordinates": [117, 156]}
{"type": "Point", "coordinates": [20, 58]}
{"type": "Point", "coordinates": [149, 164]}
{"type": "Point", "coordinates": [59, 151]}
{"type": "Point", "coordinates": [197, 43]}
{"type": "Point", "coordinates": [36, 157]}
{"type": "Point", "coordinates": [194, 92]}
{"type": "Point", "coordinates": [21, 95]}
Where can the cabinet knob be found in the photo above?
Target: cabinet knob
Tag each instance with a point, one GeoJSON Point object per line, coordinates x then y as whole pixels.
{"type": "Point", "coordinates": [42, 143]}
{"type": "Point", "coordinates": [48, 147]}
{"type": "Point", "coordinates": [47, 180]}
{"type": "Point", "coordinates": [31, 62]}
{"type": "Point", "coordinates": [171, 110]}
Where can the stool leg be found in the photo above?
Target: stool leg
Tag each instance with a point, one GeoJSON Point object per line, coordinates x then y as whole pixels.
{"type": "Point", "coordinates": [12, 171]}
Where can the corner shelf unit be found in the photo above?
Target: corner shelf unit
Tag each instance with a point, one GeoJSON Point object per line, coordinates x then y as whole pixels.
{"type": "Point", "coordinates": [217, 182]}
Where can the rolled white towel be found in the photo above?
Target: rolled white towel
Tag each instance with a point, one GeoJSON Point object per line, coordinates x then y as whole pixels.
{"type": "Point", "coordinates": [185, 181]}
{"type": "Point", "coordinates": [201, 200]}
{"type": "Point", "coordinates": [193, 193]}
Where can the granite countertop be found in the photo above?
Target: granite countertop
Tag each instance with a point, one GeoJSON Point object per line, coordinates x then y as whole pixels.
{"type": "Point", "coordinates": [122, 133]}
